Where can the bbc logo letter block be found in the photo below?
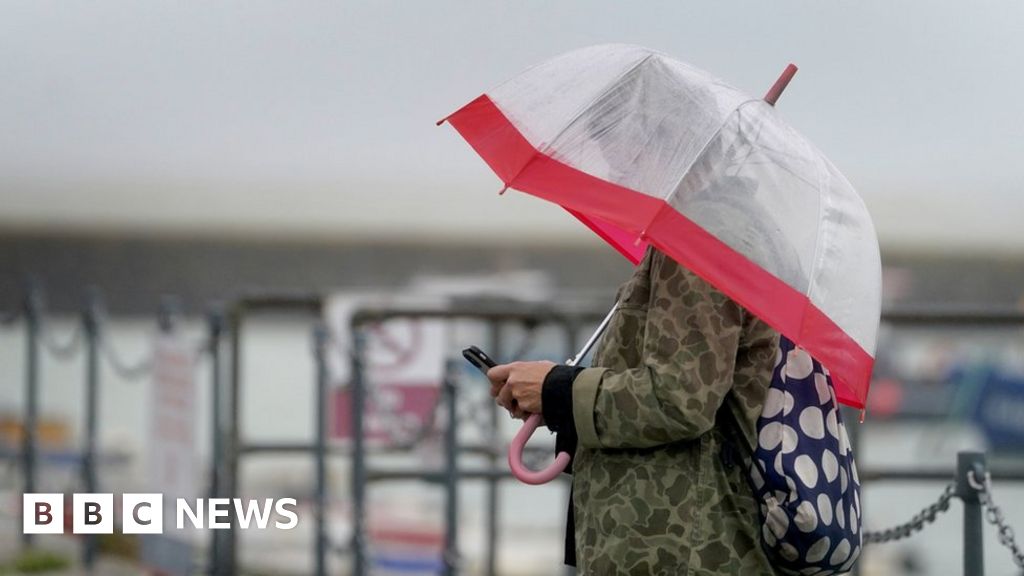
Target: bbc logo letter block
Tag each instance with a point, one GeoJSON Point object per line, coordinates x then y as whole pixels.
{"type": "Point", "coordinates": [92, 513]}
{"type": "Point", "coordinates": [43, 513]}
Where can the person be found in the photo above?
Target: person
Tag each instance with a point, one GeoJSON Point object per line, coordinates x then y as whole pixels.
{"type": "Point", "coordinates": [659, 486]}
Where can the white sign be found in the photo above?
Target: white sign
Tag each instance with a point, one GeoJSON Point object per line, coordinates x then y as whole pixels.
{"type": "Point", "coordinates": [171, 449]}
{"type": "Point", "coordinates": [403, 362]}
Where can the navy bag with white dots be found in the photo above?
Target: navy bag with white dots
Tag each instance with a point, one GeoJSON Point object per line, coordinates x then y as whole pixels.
{"type": "Point", "coordinates": [803, 473]}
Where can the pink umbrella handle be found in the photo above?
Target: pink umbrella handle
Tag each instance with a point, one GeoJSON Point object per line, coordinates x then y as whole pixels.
{"type": "Point", "coordinates": [515, 457]}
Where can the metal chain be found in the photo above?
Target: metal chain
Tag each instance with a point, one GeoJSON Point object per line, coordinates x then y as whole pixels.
{"type": "Point", "coordinates": [916, 524]}
{"type": "Point", "coordinates": [62, 350]}
{"type": "Point", "coordinates": [127, 372]}
{"type": "Point", "coordinates": [994, 515]}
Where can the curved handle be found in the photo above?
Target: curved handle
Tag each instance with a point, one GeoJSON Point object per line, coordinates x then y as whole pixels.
{"type": "Point", "coordinates": [515, 450]}
{"type": "Point", "coordinates": [515, 457]}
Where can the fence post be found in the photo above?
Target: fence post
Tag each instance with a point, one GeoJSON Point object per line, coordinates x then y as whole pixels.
{"type": "Point", "coordinates": [215, 331]}
{"type": "Point", "coordinates": [357, 404]}
{"type": "Point", "coordinates": [451, 472]}
{"type": "Point", "coordinates": [33, 306]}
{"type": "Point", "coordinates": [227, 564]}
{"type": "Point", "coordinates": [90, 481]}
{"type": "Point", "coordinates": [968, 489]}
{"type": "Point", "coordinates": [494, 345]}
{"type": "Point", "coordinates": [320, 337]}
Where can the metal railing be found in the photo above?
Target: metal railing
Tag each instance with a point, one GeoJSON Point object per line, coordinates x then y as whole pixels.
{"type": "Point", "coordinates": [972, 484]}
{"type": "Point", "coordinates": [962, 483]}
{"type": "Point", "coordinates": [87, 335]}
{"type": "Point", "coordinates": [449, 476]}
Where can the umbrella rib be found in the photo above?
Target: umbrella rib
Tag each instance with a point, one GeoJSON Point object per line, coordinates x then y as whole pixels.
{"type": "Point", "coordinates": [767, 152]}
{"type": "Point", "coordinates": [666, 201]}
{"type": "Point", "coordinates": [607, 89]}
{"type": "Point", "coordinates": [538, 151]}
{"type": "Point", "coordinates": [822, 229]}
{"type": "Point", "coordinates": [757, 135]}
{"type": "Point", "coordinates": [653, 134]}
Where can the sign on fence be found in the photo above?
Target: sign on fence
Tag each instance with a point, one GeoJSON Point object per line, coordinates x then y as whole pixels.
{"type": "Point", "coordinates": [403, 363]}
{"type": "Point", "coordinates": [171, 450]}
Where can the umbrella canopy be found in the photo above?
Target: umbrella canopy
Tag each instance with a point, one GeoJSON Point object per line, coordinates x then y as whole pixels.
{"type": "Point", "coordinates": [645, 149]}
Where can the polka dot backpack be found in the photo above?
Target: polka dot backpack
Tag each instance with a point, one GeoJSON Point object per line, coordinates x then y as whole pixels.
{"type": "Point", "coordinates": [803, 473]}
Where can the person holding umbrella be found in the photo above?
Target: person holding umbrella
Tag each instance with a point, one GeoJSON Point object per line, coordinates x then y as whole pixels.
{"type": "Point", "coordinates": [741, 230]}
{"type": "Point", "coordinates": [651, 494]}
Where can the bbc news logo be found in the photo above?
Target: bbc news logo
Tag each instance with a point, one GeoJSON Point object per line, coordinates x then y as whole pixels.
{"type": "Point", "coordinates": [144, 513]}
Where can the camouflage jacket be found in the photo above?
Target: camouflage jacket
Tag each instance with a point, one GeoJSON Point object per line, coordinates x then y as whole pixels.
{"type": "Point", "coordinates": [651, 492]}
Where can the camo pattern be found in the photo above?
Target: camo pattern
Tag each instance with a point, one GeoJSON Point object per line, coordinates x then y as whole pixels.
{"type": "Point", "coordinates": [652, 494]}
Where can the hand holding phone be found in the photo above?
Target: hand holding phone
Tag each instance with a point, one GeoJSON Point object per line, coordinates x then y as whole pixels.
{"type": "Point", "coordinates": [483, 363]}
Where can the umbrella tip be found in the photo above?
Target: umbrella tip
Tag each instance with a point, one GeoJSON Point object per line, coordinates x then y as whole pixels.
{"type": "Point", "coordinates": [776, 90]}
{"type": "Point", "coordinates": [441, 121]}
{"type": "Point", "coordinates": [503, 190]}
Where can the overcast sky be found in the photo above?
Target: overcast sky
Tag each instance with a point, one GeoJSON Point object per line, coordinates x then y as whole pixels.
{"type": "Point", "coordinates": [316, 120]}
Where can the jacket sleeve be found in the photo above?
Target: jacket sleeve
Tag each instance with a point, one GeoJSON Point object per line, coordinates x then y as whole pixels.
{"type": "Point", "coordinates": [688, 353]}
{"type": "Point", "coordinates": [556, 405]}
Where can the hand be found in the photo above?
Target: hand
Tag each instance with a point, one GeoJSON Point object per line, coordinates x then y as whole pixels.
{"type": "Point", "coordinates": [517, 386]}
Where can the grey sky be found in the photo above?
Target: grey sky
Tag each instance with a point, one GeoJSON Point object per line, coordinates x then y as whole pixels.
{"type": "Point", "coordinates": [302, 119]}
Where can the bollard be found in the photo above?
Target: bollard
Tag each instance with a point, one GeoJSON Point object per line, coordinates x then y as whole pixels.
{"type": "Point", "coordinates": [91, 324]}
{"type": "Point", "coordinates": [968, 490]}
{"type": "Point", "coordinates": [33, 306]}
{"type": "Point", "coordinates": [320, 338]}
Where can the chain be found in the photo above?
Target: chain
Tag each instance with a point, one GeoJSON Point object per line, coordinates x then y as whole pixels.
{"type": "Point", "coordinates": [994, 515]}
{"type": "Point", "coordinates": [62, 350]}
{"type": "Point", "coordinates": [127, 372]}
{"type": "Point", "coordinates": [916, 524]}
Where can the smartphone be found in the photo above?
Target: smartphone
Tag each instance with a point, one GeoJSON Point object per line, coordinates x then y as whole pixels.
{"type": "Point", "coordinates": [482, 361]}
{"type": "Point", "coordinates": [478, 358]}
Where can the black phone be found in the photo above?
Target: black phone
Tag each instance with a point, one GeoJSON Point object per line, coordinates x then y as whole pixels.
{"type": "Point", "coordinates": [482, 361]}
{"type": "Point", "coordinates": [479, 358]}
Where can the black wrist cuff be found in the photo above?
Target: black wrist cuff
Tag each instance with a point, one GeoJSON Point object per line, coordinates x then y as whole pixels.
{"type": "Point", "coordinates": [556, 398]}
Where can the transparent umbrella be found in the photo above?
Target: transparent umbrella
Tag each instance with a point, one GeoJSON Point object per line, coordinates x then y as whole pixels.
{"type": "Point", "coordinates": [645, 149]}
